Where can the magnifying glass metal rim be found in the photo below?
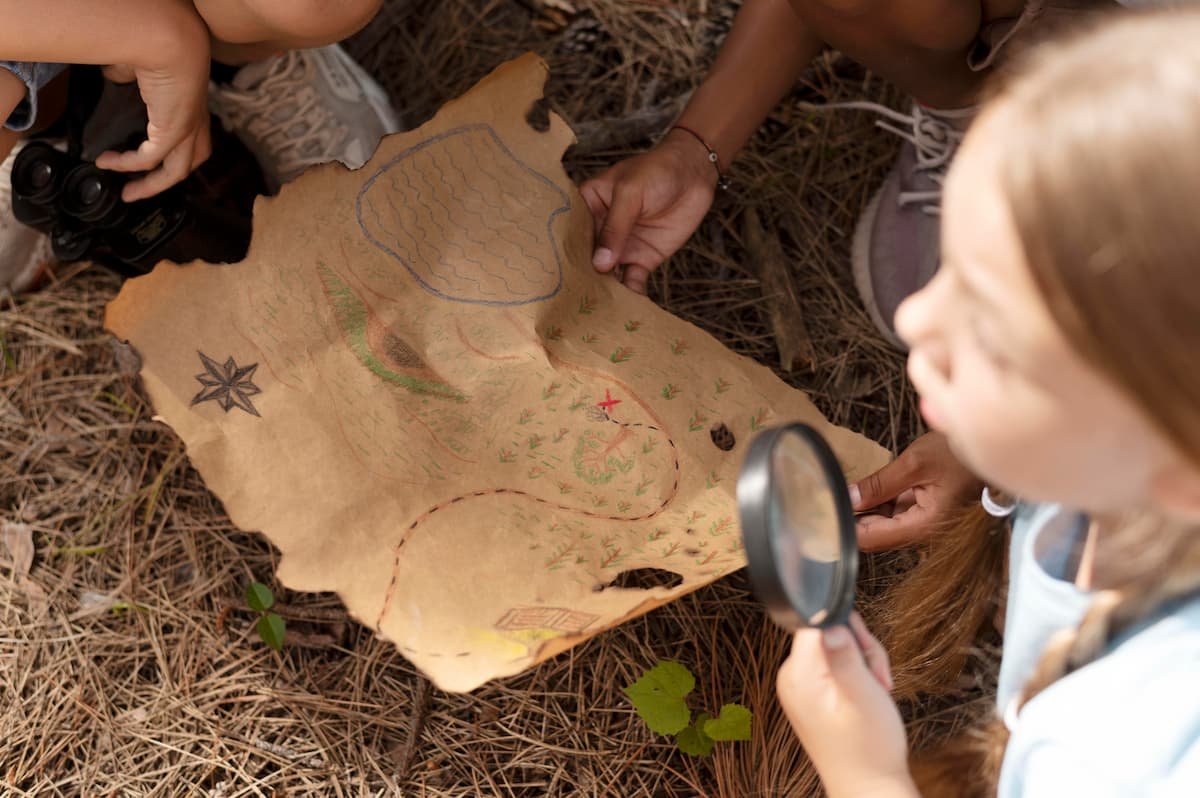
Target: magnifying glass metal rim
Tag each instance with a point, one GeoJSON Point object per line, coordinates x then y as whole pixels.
{"type": "Point", "coordinates": [755, 489]}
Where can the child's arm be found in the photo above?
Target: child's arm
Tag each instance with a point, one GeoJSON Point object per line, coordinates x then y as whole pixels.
{"type": "Point", "coordinates": [164, 45]}
{"type": "Point", "coordinates": [768, 47]}
{"type": "Point", "coordinates": [835, 694]}
{"type": "Point", "coordinates": [648, 206]}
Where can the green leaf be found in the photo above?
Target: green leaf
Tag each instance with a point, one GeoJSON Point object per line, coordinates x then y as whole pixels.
{"type": "Point", "coordinates": [693, 741]}
{"type": "Point", "coordinates": [259, 597]}
{"type": "Point", "coordinates": [732, 724]}
{"type": "Point", "coordinates": [659, 696]}
{"type": "Point", "coordinates": [271, 629]}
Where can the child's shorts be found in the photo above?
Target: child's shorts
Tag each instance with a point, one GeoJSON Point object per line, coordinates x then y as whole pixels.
{"type": "Point", "coordinates": [34, 75]}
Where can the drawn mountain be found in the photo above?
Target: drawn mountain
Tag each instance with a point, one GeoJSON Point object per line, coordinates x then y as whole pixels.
{"type": "Point", "coordinates": [379, 349]}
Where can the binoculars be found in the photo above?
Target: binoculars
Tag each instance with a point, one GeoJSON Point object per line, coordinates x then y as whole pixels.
{"type": "Point", "coordinates": [79, 206]}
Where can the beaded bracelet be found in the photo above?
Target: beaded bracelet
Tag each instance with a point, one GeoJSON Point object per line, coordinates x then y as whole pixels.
{"type": "Point", "coordinates": [722, 181]}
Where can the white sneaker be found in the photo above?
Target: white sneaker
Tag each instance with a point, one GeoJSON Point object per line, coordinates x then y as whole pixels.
{"type": "Point", "coordinates": [25, 255]}
{"type": "Point", "coordinates": [302, 108]}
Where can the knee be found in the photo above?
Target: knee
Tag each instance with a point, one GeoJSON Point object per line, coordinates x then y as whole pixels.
{"type": "Point", "coordinates": [840, 9]}
{"type": "Point", "coordinates": [934, 25]}
{"type": "Point", "coordinates": [311, 23]}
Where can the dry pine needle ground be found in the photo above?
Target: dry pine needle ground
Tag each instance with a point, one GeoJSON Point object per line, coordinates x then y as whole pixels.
{"type": "Point", "coordinates": [128, 664]}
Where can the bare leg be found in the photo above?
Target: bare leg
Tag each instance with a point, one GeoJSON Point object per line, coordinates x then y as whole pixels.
{"type": "Point", "coordinates": [248, 30]}
{"type": "Point", "coordinates": [12, 91]}
{"type": "Point", "coordinates": [920, 46]}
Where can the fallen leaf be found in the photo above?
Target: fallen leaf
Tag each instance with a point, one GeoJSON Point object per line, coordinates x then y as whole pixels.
{"type": "Point", "coordinates": [91, 603]}
{"type": "Point", "coordinates": [18, 539]}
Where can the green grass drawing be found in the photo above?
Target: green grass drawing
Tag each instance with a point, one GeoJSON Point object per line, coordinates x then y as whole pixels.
{"type": "Point", "coordinates": [621, 354]}
{"type": "Point", "coordinates": [352, 316]}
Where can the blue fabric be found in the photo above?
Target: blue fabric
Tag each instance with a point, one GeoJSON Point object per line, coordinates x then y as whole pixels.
{"type": "Point", "coordinates": [34, 76]}
{"type": "Point", "coordinates": [1126, 724]}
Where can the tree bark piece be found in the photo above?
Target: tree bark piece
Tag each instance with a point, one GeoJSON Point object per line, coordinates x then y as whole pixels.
{"type": "Point", "coordinates": [787, 319]}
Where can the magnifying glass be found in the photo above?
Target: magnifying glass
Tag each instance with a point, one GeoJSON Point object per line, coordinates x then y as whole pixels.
{"type": "Point", "coordinates": [798, 528]}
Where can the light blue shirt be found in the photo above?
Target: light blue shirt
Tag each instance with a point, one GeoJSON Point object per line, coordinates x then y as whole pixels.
{"type": "Point", "coordinates": [1126, 724]}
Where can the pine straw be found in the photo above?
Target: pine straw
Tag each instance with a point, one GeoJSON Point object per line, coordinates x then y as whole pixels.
{"type": "Point", "coordinates": [168, 692]}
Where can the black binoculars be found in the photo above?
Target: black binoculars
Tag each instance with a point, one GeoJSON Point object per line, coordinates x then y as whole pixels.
{"type": "Point", "coordinates": [79, 206]}
{"type": "Point", "coordinates": [60, 191]}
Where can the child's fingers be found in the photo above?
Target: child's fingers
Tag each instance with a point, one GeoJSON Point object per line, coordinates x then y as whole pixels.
{"type": "Point", "coordinates": [636, 278]}
{"type": "Point", "coordinates": [597, 193]}
{"type": "Point", "coordinates": [843, 662]}
{"type": "Point", "coordinates": [149, 154]}
{"type": "Point", "coordinates": [880, 533]}
{"type": "Point", "coordinates": [873, 651]}
{"type": "Point", "coordinates": [203, 148]}
{"type": "Point", "coordinates": [622, 215]}
{"type": "Point", "coordinates": [175, 167]}
{"type": "Point", "coordinates": [887, 483]}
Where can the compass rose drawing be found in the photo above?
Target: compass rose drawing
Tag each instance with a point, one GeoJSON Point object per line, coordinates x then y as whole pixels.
{"type": "Point", "coordinates": [228, 384]}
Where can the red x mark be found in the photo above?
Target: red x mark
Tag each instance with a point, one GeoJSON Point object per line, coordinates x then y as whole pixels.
{"type": "Point", "coordinates": [609, 403]}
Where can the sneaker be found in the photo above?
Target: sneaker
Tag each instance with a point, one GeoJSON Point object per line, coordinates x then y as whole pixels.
{"type": "Point", "coordinates": [25, 255]}
{"type": "Point", "coordinates": [896, 248]}
{"type": "Point", "coordinates": [302, 108]}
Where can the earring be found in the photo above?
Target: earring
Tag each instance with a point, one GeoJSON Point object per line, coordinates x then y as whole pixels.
{"type": "Point", "coordinates": [994, 508]}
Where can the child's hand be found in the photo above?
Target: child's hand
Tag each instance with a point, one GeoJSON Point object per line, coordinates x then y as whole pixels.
{"type": "Point", "coordinates": [839, 706]}
{"type": "Point", "coordinates": [928, 484]}
{"type": "Point", "coordinates": [646, 207]}
{"type": "Point", "coordinates": [174, 86]}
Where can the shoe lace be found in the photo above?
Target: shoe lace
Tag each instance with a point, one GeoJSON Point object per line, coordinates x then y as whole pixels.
{"type": "Point", "coordinates": [933, 135]}
{"type": "Point", "coordinates": [286, 84]}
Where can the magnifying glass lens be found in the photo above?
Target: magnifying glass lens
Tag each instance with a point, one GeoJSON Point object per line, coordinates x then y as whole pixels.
{"type": "Point", "coordinates": [798, 527]}
{"type": "Point", "coordinates": [805, 529]}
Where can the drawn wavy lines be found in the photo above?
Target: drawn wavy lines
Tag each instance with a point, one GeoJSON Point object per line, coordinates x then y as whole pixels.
{"type": "Point", "coordinates": [470, 145]}
{"type": "Point", "coordinates": [479, 197]}
{"type": "Point", "coordinates": [431, 255]}
{"type": "Point", "coordinates": [382, 352]}
{"type": "Point", "coordinates": [469, 201]}
{"type": "Point", "coordinates": [437, 234]}
{"type": "Point", "coordinates": [448, 238]}
{"type": "Point", "coordinates": [497, 253]}
{"type": "Point", "coordinates": [445, 215]}
{"type": "Point", "coordinates": [425, 516]}
{"type": "Point", "coordinates": [501, 174]}
{"type": "Point", "coordinates": [476, 197]}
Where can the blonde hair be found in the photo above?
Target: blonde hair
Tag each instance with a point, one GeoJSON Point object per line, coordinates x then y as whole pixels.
{"type": "Point", "coordinates": [1099, 164]}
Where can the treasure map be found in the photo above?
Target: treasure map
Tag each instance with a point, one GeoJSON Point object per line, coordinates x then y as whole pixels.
{"type": "Point", "coordinates": [419, 390]}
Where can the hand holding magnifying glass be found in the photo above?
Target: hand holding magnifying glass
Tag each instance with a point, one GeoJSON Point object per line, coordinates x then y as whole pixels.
{"type": "Point", "coordinates": [799, 533]}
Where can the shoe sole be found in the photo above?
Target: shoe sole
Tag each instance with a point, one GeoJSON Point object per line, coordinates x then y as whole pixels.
{"type": "Point", "coordinates": [860, 262]}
